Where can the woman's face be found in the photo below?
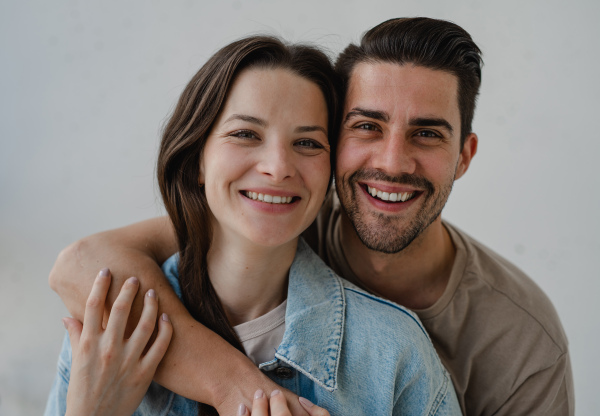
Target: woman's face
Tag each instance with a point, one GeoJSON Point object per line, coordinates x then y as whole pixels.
{"type": "Point", "coordinates": [265, 165]}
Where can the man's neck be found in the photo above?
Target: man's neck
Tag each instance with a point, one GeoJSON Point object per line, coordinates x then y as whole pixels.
{"type": "Point", "coordinates": [416, 277]}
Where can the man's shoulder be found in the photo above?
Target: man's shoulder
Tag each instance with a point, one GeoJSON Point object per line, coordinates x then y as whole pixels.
{"type": "Point", "coordinates": [500, 278]}
{"type": "Point", "coordinates": [500, 281]}
{"type": "Point", "coordinates": [510, 334]}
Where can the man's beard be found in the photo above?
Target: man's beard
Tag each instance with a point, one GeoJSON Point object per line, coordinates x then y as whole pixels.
{"type": "Point", "coordinates": [380, 233]}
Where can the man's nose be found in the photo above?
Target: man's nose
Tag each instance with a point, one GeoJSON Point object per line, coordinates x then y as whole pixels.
{"type": "Point", "coordinates": [277, 161]}
{"type": "Point", "coordinates": [394, 156]}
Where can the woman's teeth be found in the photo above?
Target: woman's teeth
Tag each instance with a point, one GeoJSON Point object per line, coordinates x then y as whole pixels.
{"type": "Point", "coordinates": [271, 199]}
{"type": "Point", "coordinates": [390, 196]}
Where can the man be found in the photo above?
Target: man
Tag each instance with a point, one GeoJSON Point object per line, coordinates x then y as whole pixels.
{"type": "Point", "coordinates": [405, 137]}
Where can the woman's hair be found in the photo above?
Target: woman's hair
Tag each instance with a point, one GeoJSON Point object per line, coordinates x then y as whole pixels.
{"type": "Point", "coordinates": [183, 141]}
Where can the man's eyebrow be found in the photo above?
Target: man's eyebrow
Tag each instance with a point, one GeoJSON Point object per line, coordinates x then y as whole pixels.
{"type": "Point", "coordinates": [308, 129]}
{"type": "Point", "coordinates": [430, 122]}
{"type": "Point", "coordinates": [247, 118]}
{"type": "Point", "coordinates": [374, 114]}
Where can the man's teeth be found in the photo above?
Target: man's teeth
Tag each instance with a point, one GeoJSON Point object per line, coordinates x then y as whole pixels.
{"type": "Point", "coordinates": [268, 198]}
{"type": "Point", "coordinates": [390, 196]}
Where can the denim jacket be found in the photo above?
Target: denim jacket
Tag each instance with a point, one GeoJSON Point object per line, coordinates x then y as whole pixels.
{"type": "Point", "coordinates": [344, 349]}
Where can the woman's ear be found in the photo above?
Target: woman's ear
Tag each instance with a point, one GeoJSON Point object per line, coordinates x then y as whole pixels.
{"type": "Point", "coordinates": [201, 173]}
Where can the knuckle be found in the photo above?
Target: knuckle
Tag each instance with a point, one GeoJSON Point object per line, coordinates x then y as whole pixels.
{"type": "Point", "coordinates": [146, 327]}
{"type": "Point", "coordinates": [120, 306]}
{"type": "Point", "coordinates": [93, 302]}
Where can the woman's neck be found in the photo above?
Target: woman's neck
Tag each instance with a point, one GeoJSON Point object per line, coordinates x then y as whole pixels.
{"type": "Point", "coordinates": [250, 280]}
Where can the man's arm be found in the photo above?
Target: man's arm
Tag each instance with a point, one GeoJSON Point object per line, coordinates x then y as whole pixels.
{"type": "Point", "coordinates": [547, 392]}
{"type": "Point", "coordinates": [199, 364]}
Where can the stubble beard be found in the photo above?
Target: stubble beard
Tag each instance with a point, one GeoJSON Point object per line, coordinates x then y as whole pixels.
{"type": "Point", "coordinates": [384, 232]}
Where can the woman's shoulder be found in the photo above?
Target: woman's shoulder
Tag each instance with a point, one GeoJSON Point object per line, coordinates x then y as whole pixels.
{"type": "Point", "coordinates": [171, 270]}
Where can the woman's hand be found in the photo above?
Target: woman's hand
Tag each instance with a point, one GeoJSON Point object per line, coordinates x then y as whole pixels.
{"type": "Point", "coordinates": [277, 406]}
{"type": "Point", "coordinates": [111, 374]}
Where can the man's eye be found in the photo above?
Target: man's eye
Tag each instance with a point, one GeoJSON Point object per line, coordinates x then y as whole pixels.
{"type": "Point", "coordinates": [366, 126]}
{"type": "Point", "coordinates": [428, 134]}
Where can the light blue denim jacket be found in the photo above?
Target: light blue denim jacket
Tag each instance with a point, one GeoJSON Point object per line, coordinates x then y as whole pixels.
{"type": "Point", "coordinates": [344, 349]}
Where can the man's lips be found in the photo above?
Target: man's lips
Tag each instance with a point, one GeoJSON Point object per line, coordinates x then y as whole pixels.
{"type": "Point", "coordinates": [390, 194]}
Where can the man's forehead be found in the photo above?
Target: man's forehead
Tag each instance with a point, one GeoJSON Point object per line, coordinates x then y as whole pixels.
{"type": "Point", "coordinates": [387, 85]}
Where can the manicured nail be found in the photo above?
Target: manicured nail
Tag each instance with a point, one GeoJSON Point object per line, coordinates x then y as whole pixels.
{"type": "Point", "coordinates": [133, 280]}
{"type": "Point", "coordinates": [275, 392]}
{"type": "Point", "coordinates": [165, 317]}
{"type": "Point", "coordinates": [151, 293]}
{"type": "Point", "coordinates": [259, 394]}
{"type": "Point", "coordinates": [241, 410]}
{"type": "Point", "coordinates": [305, 402]}
{"type": "Point", "coordinates": [103, 273]}
{"type": "Point", "coordinates": [64, 321]}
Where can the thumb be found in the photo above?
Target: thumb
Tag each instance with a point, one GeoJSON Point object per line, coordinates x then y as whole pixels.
{"type": "Point", "coordinates": [74, 328]}
{"type": "Point", "coordinates": [312, 409]}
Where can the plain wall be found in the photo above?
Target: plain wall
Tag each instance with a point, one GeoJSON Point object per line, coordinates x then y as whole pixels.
{"type": "Point", "coordinates": [85, 88]}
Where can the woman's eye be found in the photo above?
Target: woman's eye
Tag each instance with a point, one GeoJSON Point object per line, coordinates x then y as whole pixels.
{"type": "Point", "coordinates": [309, 144]}
{"type": "Point", "coordinates": [244, 134]}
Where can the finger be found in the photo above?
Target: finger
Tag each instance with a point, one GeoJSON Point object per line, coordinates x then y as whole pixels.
{"type": "Point", "coordinates": [312, 409]}
{"type": "Point", "coordinates": [74, 329]}
{"type": "Point", "coordinates": [161, 343]}
{"type": "Point", "coordinates": [243, 410]}
{"type": "Point", "coordinates": [278, 404]}
{"type": "Point", "coordinates": [260, 405]}
{"type": "Point", "coordinates": [94, 307]}
{"type": "Point", "coordinates": [117, 321]}
{"type": "Point", "coordinates": [145, 327]}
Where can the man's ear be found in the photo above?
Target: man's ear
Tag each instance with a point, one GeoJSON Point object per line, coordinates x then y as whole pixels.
{"type": "Point", "coordinates": [466, 155]}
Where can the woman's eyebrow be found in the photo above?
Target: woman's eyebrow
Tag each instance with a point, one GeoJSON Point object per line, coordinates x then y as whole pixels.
{"type": "Point", "coordinates": [249, 119]}
{"type": "Point", "coordinates": [308, 129]}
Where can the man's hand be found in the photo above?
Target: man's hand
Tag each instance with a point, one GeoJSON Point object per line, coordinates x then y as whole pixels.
{"type": "Point", "coordinates": [277, 405]}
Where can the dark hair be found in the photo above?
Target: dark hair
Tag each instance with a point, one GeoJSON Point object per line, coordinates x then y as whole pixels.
{"type": "Point", "coordinates": [431, 43]}
{"type": "Point", "coordinates": [183, 141]}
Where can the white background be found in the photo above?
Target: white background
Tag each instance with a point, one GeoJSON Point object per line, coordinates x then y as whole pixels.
{"type": "Point", "coordinates": [84, 89]}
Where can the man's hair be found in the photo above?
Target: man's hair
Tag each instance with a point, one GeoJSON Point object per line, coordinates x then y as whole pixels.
{"type": "Point", "coordinates": [421, 41]}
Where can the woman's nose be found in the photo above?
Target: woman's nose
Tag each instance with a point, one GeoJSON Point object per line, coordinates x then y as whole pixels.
{"type": "Point", "coordinates": [277, 161]}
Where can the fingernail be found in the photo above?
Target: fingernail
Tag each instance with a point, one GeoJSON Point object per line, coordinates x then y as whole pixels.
{"type": "Point", "coordinates": [104, 272]}
{"type": "Point", "coordinates": [275, 392]}
{"type": "Point", "coordinates": [241, 410]}
{"type": "Point", "coordinates": [151, 293]}
{"type": "Point", "coordinates": [259, 394]}
{"type": "Point", "coordinates": [64, 321]}
{"type": "Point", "coordinates": [165, 317]}
{"type": "Point", "coordinates": [305, 402]}
{"type": "Point", "coordinates": [133, 280]}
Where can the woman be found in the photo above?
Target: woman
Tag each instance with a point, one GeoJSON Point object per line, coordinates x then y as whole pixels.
{"type": "Point", "coordinates": [243, 169]}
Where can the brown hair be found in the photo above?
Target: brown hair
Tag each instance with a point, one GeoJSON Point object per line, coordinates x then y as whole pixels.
{"type": "Point", "coordinates": [431, 43]}
{"type": "Point", "coordinates": [181, 148]}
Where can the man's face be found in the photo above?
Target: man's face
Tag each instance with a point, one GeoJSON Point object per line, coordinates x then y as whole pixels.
{"type": "Point", "coordinates": [399, 151]}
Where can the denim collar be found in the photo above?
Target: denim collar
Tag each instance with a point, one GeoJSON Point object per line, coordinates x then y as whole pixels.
{"type": "Point", "coordinates": [314, 319]}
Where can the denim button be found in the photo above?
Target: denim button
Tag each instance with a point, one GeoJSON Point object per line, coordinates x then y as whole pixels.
{"type": "Point", "coordinates": [284, 373]}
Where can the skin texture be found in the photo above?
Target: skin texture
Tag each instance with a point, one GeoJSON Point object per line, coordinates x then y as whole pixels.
{"type": "Point", "coordinates": [110, 374]}
{"type": "Point", "coordinates": [277, 138]}
{"type": "Point", "coordinates": [400, 134]}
